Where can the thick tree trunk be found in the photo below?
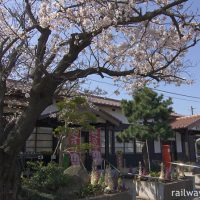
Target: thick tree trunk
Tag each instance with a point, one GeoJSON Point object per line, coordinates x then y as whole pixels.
{"type": "Point", "coordinates": [16, 136]}
{"type": "Point", "coordinates": [2, 96]}
{"type": "Point", "coordinates": [9, 177]}
{"type": "Point", "coordinates": [8, 172]}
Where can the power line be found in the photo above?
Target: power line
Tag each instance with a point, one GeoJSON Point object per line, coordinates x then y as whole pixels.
{"type": "Point", "coordinates": [182, 99]}
{"type": "Point", "coordinates": [189, 100]}
{"type": "Point", "coordinates": [174, 93]}
{"type": "Point", "coordinates": [100, 82]}
{"type": "Point", "coordinates": [184, 95]}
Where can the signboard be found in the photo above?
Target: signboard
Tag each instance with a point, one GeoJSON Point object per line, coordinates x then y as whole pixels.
{"type": "Point", "coordinates": [95, 138]}
{"type": "Point", "coordinates": [96, 156]}
{"type": "Point", "coordinates": [74, 139]}
{"type": "Point", "coordinates": [96, 146]}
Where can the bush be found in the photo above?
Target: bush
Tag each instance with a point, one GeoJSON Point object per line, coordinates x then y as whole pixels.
{"type": "Point", "coordinates": [90, 190]}
{"type": "Point", "coordinates": [46, 178]}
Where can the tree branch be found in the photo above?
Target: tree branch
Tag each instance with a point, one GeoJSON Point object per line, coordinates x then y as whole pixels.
{"type": "Point", "coordinates": [152, 14]}
{"type": "Point", "coordinates": [31, 16]}
{"type": "Point", "coordinates": [14, 55]}
{"type": "Point", "coordinates": [3, 52]}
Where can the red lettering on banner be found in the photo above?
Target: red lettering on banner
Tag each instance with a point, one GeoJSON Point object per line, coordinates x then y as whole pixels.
{"type": "Point", "coordinates": [96, 146]}
{"type": "Point", "coordinates": [74, 138]}
{"type": "Point", "coordinates": [95, 138]}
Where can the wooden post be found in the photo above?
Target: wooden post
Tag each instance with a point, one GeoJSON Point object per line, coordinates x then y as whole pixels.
{"type": "Point", "coordinates": [189, 148]}
{"type": "Point", "coordinates": [113, 143]}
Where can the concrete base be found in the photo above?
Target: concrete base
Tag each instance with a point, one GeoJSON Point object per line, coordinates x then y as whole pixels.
{"type": "Point", "coordinates": [117, 196]}
{"type": "Point", "coordinates": [152, 190]}
{"type": "Point", "coordinates": [196, 177]}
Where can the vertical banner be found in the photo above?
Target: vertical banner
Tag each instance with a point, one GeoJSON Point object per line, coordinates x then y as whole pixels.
{"type": "Point", "coordinates": [96, 146]}
{"type": "Point", "coordinates": [95, 138]}
{"type": "Point", "coordinates": [74, 139]}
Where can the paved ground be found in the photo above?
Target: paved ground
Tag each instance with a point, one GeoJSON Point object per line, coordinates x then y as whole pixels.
{"type": "Point", "coordinates": [129, 185]}
{"type": "Point", "coordinates": [196, 188]}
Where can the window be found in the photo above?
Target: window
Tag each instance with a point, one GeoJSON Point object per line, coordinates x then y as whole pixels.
{"type": "Point", "coordinates": [41, 140]}
{"type": "Point", "coordinates": [102, 140]}
{"type": "Point", "coordinates": [119, 146]}
{"type": "Point", "coordinates": [157, 146]}
{"type": "Point", "coordinates": [178, 143]}
{"type": "Point", "coordinates": [129, 147]}
{"type": "Point", "coordinates": [139, 144]}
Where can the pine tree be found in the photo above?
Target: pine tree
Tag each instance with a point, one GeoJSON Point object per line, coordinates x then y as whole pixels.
{"type": "Point", "coordinates": [149, 117]}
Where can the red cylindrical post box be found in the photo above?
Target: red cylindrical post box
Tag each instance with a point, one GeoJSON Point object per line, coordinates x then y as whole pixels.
{"type": "Point", "coordinates": [166, 156]}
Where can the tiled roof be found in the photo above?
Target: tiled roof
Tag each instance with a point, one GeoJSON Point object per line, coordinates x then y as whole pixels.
{"type": "Point", "coordinates": [185, 122]}
{"type": "Point", "coordinates": [104, 101]}
{"type": "Point", "coordinates": [21, 86]}
{"type": "Point", "coordinates": [176, 115]}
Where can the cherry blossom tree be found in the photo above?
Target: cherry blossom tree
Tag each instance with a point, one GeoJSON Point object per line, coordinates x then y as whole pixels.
{"type": "Point", "coordinates": [46, 43]}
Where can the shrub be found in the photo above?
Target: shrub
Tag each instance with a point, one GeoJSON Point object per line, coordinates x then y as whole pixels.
{"type": "Point", "coordinates": [47, 178]}
{"type": "Point", "coordinates": [90, 190]}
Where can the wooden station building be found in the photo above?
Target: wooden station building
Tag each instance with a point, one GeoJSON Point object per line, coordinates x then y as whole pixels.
{"type": "Point", "coordinates": [185, 144]}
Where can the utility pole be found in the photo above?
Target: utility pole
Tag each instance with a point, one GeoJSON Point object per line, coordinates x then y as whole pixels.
{"type": "Point", "coordinates": [192, 110]}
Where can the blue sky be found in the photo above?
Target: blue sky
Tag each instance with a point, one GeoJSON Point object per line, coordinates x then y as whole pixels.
{"type": "Point", "coordinates": [181, 104]}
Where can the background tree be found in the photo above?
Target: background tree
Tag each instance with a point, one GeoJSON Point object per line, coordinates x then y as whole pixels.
{"type": "Point", "coordinates": [149, 116]}
{"type": "Point", "coordinates": [46, 43]}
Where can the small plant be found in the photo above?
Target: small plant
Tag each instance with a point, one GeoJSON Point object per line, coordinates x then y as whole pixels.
{"type": "Point", "coordinates": [47, 178]}
{"type": "Point", "coordinates": [90, 190]}
{"type": "Point", "coordinates": [154, 174]}
{"type": "Point", "coordinates": [119, 153]}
